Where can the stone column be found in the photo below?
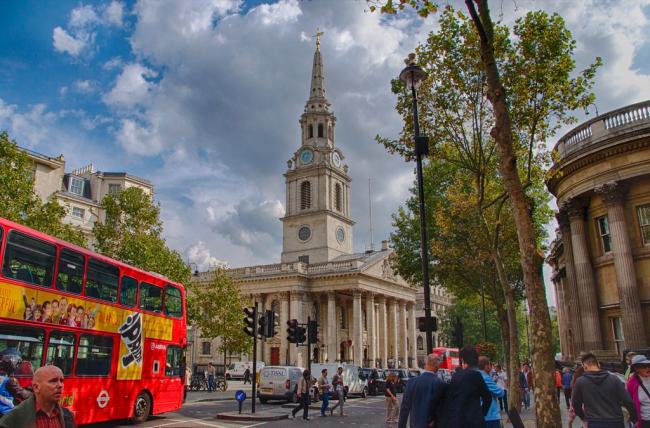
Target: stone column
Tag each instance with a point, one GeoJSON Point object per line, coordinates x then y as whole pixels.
{"type": "Point", "coordinates": [370, 321]}
{"type": "Point", "coordinates": [587, 293]}
{"type": "Point", "coordinates": [284, 317]}
{"type": "Point", "coordinates": [403, 334]}
{"type": "Point", "coordinates": [383, 331]}
{"type": "Point", "coordinates": [393, 335]}
{"type": "Point", "coordinates": [332, 327]}
{"type": "Point", "coordinates": [571, 297]}
{"type": "Point", "coordinates": [613, 194]}
{"type": "Point", "coordinates": [413, 335]}
{"type": "Point", "coordinates": [357, 328]}
{"type": "Point", "coordinates": [561, 312]}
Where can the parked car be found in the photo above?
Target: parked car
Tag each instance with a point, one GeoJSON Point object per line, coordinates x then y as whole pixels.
{"type": "Point", "coordinates": [402, 378]}
{"type": "Point", "coordinates": [414, 373]}
{"type": "Point", "coordinates": [279, 383]}
{"type": "Point", "coordinates": [352, 378]}
{"type": "Point", "coordinates": [376, 380]}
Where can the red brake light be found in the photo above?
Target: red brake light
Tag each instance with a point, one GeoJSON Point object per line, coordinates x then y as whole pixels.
{"type": "Point", "coordinates": [287, 384]}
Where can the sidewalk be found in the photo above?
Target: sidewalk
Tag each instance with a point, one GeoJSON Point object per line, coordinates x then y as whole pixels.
{"type": "Point", "coordinates": [528, 416]}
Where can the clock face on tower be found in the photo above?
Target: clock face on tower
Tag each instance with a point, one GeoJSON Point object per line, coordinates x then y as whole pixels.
{"type": "Point", "coordinates": [340, 235]}
{"type": "Point", "coordinates": [306, 157]}
{"type": "Point", "coordinates": [336, 159]}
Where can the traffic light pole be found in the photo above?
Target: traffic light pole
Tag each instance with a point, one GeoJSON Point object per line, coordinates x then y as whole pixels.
{"type": "Point", "coordinates": [308, 346]}
{"type": "Point", "coordinates": [254, 386]}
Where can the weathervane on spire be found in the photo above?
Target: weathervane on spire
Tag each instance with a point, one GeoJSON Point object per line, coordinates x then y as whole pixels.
{"type": "Point", "coordinates": [317, 35]}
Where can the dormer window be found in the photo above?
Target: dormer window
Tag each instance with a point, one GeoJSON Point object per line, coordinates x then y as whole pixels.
{"type": "Point", "coordinates": [76, 186]}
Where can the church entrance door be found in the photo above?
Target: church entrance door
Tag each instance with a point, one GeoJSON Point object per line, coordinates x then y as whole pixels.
{"type": "Point", "coordinates": [275, 356]}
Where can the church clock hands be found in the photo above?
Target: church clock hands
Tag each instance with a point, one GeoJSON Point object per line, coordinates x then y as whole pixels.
{"type": "Point", "coordinates": [307, 156]}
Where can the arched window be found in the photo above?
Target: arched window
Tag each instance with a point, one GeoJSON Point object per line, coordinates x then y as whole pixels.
{"type": "Point", "coordinates": [311, 131]}
{"type": "Point", "coordinates": [338, 197]}
{"type": "Point", "coordinates": [305, 195]}
{"type": "Point", "coordinates": [320, 130]}
{"type": "Point", "coordinates": [420, 343]}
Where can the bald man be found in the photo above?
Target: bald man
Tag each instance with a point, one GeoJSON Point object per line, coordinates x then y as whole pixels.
{"type": "Point", "coordinates": [42, 410]}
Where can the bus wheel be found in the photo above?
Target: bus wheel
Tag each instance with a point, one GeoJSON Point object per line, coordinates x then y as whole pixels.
{"type": "Point", "coordinates": [141, 408]}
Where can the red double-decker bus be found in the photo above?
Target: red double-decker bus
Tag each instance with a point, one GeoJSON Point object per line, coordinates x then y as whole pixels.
{"type": "Point", "coordinates": [118, 333]}
{"type": "Point", "coordinates": [448, 357]}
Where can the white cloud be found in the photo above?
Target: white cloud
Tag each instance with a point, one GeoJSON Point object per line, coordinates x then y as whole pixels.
{"type": "Point", "coordinates": [137, 139]}
{"type": "Point", "coordinates": [283, 12]}
{"type": "Point", "coordinates": [29, 128]}
{"type": "Point", "coordinates": [113, 63]}
{"type": "Point", "coordinates": [114, 14]}
{"type": "Point", "coordinates": [199, 253]}
{"type": "Point", "coordinates": [132, 87]}
{"type": "Point", "coordinates": [83, 16]}
{"type": "Point", "coordinates": [84, 86]}
{"type": "Point", "coordinates": [65, 43]}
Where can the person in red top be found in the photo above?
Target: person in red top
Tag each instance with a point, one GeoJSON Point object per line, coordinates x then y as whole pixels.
{"type": "Point", "coordinates": [42, 410]}
{"type": "Point", "coordinates": [558, 383]}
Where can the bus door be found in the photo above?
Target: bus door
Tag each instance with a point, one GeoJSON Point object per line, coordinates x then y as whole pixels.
{"type": "Point", "coordinates": [171, 381]}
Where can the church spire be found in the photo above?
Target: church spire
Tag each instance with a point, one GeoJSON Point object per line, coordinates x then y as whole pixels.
{"type": "Point", "coordinates": [317, 101]}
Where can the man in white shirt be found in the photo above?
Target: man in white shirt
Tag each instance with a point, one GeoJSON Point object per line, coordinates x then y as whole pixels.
{"type": "Point", "coordinates": [501, 379]}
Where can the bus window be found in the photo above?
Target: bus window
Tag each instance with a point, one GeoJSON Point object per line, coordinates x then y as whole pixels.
{"type": "Point", "coordinates": [71, 271]}
{"type": "Point", "coordinates": [173, 364]}
{"type": "Point", "coordinates": [60, 351]}
{"type": "Point", "coordinates": [173, 301]}
{"type": "Point", "coordinates": [128, 291]}
{"type": "Point", "coordinates": [101, 282]}
{"type": "Point", "coordinates": [94, 355]}
{"type": "Point", "coordinates": [150, 297]}
{"type": "Point", "coordinates": [28, 259]}
{"type": "Point", "coordinates": [24, 345]}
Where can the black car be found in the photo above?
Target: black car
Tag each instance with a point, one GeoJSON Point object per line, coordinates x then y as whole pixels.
{"type": "Point", "coordinates": [376, 380]}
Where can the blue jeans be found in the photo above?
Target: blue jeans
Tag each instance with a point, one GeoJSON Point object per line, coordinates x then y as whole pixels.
{"type": "Point", "coordinates": [326, 403]}
{"type": "Point", "coordinates": [526, 396]}
{"type": "Point", "coordinates": [492, 424]}
{"type": "Point", "coordinates": [210, 383]}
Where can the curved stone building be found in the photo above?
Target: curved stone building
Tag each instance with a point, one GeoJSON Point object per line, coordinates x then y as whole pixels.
{"type": "Point", "coordinates": [601, 257]}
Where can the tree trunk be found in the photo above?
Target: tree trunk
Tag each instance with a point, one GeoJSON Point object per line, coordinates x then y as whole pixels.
{"type": "Point", "coordinates": [547, 408]}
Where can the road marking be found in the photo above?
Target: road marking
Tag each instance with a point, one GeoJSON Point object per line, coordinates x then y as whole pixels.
{"type": "Point", "coordinates": [193, 420]}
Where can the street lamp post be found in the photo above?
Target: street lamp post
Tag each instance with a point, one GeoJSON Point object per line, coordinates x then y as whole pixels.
{"type": "Point", "coordinates": [413, 76]}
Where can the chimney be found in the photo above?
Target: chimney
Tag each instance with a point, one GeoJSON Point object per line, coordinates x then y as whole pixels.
{"type": "Point", "coordinates": [384, 245]}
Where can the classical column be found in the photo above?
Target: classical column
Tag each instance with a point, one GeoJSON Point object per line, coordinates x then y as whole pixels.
{"type": "Point", "coordinates": [561, 312]}
{"type": "Point", "coordinates": [332, 324]}
{"type": "Point", "coordinates": [413, 335]}
{"type": "Point", "coordinates": [393, 335]}
{"type": "Point", "coordinates": [613, 194]}
{"type": "Point", "coordinates": [587, 293]}
{"type": "Point", "coordinates": [370, 321]}
{"type": "Point", "coordinates": [357, 327]}
{"type": "Point", "coordinates": [284, 317]}
{"type": "Point", "coordinates": [383, 331]}
{"type": "Point", "coordinates": [403, 334]}
{"type": "Point", "coordinates": [571, 297]}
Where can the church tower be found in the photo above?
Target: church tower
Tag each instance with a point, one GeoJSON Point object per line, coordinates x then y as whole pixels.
{"type": "Point", "coordinates": [317, 225]}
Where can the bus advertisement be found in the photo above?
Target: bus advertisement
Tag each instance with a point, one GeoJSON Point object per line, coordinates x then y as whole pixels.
{"type": "Point", "coordinates": [118, 333]}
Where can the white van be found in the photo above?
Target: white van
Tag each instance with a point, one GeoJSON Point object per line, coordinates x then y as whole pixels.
{"type": "Point", "coordinates": [236, 370]}
{"type": "Point", "coordinates": [279, 383]}
{"type": "Point", "coordinates": [352, 377]}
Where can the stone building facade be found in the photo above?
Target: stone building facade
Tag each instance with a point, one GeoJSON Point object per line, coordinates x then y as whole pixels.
{"type": "Point", "coordinates": [440, 301]}
{"type": "Point", "coordinates": [601, 257]}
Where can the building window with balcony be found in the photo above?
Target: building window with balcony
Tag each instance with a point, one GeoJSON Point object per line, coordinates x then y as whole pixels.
{"type": "Point", "coordinates": [114, 189]}
{"type": "Point", "coordinates": [605, 237]}
{"type": "Point", "coordinates": [76, 185]}
{"type": "Point", "coordinates": [420, 344]}
{"type": "Point", "coordinates": [206, 348]}
{"type": "Point", "coordinates": [78, 212]}
{"type": "Point", "coordinates": [644, 223]}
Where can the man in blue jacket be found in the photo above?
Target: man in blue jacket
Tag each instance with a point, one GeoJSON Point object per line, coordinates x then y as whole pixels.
{"type": "Point", "coordinates": [493, 418]}
{"type": "Point", "coordinates": [467, 399]}
{"type": "Point", "coordinates": [422, 396]}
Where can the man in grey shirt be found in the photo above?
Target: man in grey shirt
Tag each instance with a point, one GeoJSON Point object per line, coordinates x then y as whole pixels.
{"type": "Point", "coordinates": [339, 387]}
{"type": "Point", "coordinates": [602, 395]}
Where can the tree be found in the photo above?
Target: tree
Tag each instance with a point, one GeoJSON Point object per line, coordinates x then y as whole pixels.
{"type": "Point", "coordinates": [216, 309]}
{"type": "Point", "coordinates": [19, 202]}
{"type": "Point", "coordinates": [531, 93]}
{"type": "Point", "coordinates": [132, 233]}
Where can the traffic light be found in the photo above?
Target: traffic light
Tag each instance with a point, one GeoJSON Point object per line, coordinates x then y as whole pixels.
{"type": "Point", "coordinates": [249, 320]}
{"type": "Point", "coordinates": [292, 330]}
{"type": "Point", "coordinates": [261, 330]}
{"type": "Point", "coordinates": [312, 331]}
{"type": "Point", "coordinates": [271, 323]}
{"type": "Point", "coordinates": [301, 335]}
{"type": "Point", "coordinates": [457, 334]}
{"type": "Point", "coordinates": [422, 324]}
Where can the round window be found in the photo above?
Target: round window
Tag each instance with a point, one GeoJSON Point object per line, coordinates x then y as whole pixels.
{"type": "Point", "coordinates": [304, 233]}
{"type": "Point", "coordinates": [340, 234]}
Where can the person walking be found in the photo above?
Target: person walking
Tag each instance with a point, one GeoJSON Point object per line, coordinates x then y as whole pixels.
{"type": "Point", "coordinates": [493, 417]}
{"type": "Point", "coordinates": [392, 404]}
{"type": "Point", "coordinates": [501, 379]}
{"type": "Point", "coordinates": [525, 388]}
{"type": "Point", "coordinates": [302, 389]}
{"type": "Point", "coordinates": [467, 398]}
{"type": "Point", "coordinates": [558, 383]}
{"type": "Point", "coordinates": [638, 387]}
{"type": "Point", "coordinates": [422, 397]}
{"type": "Point", "coordinates": [579, 371]}
{"type": "Point", "coordinates": [339, 388]}
{"type": "Point", "coordinates": [247, 375]}
{"type": "Point", "coordinates": [10, 389]}
{"type": "Point", "coordinates": [212, 371]}
{"type": "Point", "coordinates": [42, 409]}
{"type": "Point", "coordinates": [324, 390]}
{"type": "Point", "coordinates": [566, 386]}
{"type": "Point", "coordinates": [628, 364]}
{"type": "Point", "coordinates": [598, 397]}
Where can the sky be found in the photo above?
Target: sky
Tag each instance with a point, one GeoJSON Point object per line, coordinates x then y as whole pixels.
{"type": "Point", "coordinates": [203, 98]}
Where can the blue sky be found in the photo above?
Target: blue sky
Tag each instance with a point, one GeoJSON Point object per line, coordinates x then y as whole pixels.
{"type": "Point", "coordinates": [203, 98]}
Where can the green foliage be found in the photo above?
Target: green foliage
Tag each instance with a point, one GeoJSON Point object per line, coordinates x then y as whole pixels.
{"type": "Point", "coordinates": [132, 233]}
{"type": "Point", "coordinates": [423, 7]}
{"type": "Point", "coordinates": [489, 349]}
{"type": "Point", "coordinates": [19, 202]}
{"type": "Point", "coordinates": [216, 309]}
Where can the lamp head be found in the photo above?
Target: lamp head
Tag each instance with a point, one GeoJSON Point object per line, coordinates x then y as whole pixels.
{"type": "Point", "coordinates": [412, 75]}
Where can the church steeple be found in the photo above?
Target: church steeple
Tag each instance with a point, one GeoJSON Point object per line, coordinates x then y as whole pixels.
{"type": "Point", "coordinates": [317, 101]}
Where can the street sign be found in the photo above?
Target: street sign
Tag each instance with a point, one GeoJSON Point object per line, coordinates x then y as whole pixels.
{"type": "Point", "coordinates": [240, 396]}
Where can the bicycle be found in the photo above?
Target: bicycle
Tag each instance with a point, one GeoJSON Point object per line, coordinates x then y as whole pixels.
{"type": "Point", "coordinates": [221, 384]}
{"type": "Point", "coordinates": [198, 383]}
